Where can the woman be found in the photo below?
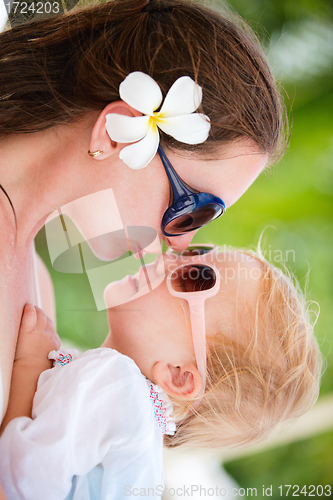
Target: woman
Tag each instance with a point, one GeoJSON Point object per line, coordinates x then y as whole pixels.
{"type": "Point", "coordinates": [59, 81]}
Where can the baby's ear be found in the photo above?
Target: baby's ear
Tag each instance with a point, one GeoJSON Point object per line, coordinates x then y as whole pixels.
{"type": "Point", "coordinates": [182, 382]}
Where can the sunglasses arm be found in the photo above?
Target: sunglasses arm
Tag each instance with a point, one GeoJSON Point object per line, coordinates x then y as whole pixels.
{"type": "Point", "coordinates": [197, 314]}
{"type": "Point", "coordinates": [178, 187]}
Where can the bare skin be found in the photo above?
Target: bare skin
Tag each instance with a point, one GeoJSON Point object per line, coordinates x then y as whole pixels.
{"type": "Point", "coordinates": [46, 170]}
{"type": "Point", "coordinates": [154, 329]}
{"type": "Point", "coordinates": [37, 337]}
{"type": "Point", "coordinates": [160, 343]}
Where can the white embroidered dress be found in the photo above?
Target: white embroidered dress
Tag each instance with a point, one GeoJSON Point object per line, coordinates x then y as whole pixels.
{"type": "Point", "coordinates": [96, 432]}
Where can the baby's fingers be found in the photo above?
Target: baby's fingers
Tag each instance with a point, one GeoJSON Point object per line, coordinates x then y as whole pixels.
{"type": "Point", "coordinates": [29, 318]}
{"type": "Point", "coordinates": [41, 323]}
{"type": "Point", "coordinates": [54, 336]}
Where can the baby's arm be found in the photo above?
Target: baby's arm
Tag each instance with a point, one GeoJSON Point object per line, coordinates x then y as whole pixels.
{"type": "Point", "coordinates": [36, 339]}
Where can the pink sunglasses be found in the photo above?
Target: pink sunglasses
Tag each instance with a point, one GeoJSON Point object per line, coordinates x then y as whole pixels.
{"type": "Point", "coordinates": [195, 282]}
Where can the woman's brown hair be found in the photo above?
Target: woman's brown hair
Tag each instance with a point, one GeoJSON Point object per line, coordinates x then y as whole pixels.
{"type": "Point", "coordinates": [55, 70]}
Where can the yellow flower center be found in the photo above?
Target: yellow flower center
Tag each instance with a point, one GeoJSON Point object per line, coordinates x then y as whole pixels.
{"type": "Point", "coordinates": [155, 118]}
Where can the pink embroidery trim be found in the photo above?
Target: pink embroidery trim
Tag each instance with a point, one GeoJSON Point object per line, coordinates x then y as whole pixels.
{"type": "Point", "coordinates": [161, 412]}
{"type": "Point", "coordinates": [63, 359]}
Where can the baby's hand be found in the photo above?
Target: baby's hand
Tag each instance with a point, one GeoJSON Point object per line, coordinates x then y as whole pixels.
{"type": "Point", "coordinates": [36, 338]}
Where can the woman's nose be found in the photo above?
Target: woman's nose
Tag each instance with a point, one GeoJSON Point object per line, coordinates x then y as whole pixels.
{"type": "Point", "coordinates": [180, 243]}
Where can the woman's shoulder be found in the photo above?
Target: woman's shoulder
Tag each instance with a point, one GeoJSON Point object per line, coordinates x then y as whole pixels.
{"type": "Point", "coordinates": [11, 291]}
{"type": "Point", "coordinates": [8, 250]}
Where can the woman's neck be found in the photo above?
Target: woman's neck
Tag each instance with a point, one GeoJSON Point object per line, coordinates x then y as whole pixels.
{"type": "Point", "coordinates": [42, 171]}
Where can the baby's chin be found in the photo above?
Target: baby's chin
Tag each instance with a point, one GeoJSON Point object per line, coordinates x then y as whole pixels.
{"type": "Point", "coordinates": [120, 292]}
{"type": "Point", "coordinates": [132, 287]}
{"type": "Point", "coordinates": [123, 291]}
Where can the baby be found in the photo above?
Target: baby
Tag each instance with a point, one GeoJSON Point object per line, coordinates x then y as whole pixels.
{"type": "Point", "coordinates": [216, 355]}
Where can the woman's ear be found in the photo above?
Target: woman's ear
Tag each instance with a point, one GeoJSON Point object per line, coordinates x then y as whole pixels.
{"type": "Point", "coordinates": [100, 139]}
{"type": "Point", "coordinates": [183, 382]}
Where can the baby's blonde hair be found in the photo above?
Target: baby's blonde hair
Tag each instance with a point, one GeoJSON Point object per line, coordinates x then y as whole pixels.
{"type": "Point", "coordinates": [254, 384]}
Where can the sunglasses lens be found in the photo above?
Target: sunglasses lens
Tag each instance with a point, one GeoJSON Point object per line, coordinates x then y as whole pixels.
{"type": "Point", "coordinates": [193, 278]}
{"type": "Point", "coordinates": [193, 220]}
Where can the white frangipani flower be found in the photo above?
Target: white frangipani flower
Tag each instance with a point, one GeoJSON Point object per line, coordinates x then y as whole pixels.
{"type": "Point", "coordinates": [176, 117]}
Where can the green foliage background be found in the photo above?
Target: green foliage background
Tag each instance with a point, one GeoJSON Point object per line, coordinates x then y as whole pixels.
{"type": "Point", "coordinates": [295, 197]}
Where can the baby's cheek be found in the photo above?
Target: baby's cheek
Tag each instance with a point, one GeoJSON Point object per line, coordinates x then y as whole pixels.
{"type": "Point", "coordinates": [220, 316]}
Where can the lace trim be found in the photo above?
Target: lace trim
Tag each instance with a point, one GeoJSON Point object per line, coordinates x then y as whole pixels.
{"type": "Point", "coordinates": [163, 409]}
